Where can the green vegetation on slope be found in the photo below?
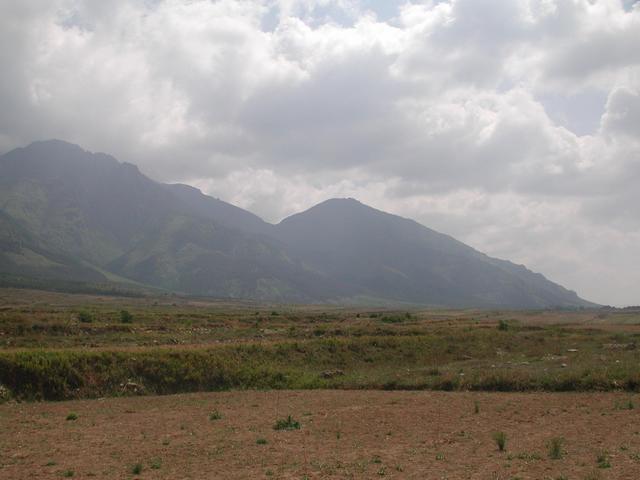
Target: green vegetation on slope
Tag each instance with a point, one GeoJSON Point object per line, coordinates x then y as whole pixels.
{"type": "Point", "coordinates": [59, 346]}
{"type": "Point", "coordinates": [460, 360]}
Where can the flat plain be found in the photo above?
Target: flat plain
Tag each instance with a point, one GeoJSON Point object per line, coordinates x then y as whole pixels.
{"type": "Point", "coordinates": [193, 388]}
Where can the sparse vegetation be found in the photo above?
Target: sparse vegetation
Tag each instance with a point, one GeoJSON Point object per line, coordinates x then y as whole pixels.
{"type": "Point", "coordinates": [287, 424]}
{"type": "Point", "coordinates": [85, 317]}
{"type": "Point", "coordinates": [126, 317]}
{"type": "Point", "coordinates": [43, 354]}
{"type": "Point", "coordinates": [526, 456]}
{"type": "Point", "coordinates": [603, 460]}
{"type": "Point", "coordinates": [555, 448]}
{"type": "Point", "coordinates": [500, 439]}
{"type": "Point", "coordinates": [625, 405]}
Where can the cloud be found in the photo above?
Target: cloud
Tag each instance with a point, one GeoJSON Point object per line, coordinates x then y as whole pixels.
{"type": "Point", "coordinates": [514, 126]}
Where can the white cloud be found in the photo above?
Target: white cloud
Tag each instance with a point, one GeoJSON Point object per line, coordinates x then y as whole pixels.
{"type": "Point", "coordinates": [452, 112]}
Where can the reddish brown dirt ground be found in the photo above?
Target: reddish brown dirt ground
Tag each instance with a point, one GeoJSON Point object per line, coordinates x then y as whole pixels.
{"type": "Point", "coordinates": [344, 434]}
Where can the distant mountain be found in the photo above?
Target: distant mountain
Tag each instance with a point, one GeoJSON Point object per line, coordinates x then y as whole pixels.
{"type": "Point", "coordinates": [69, 214]}
{"type": "Point", "coordinates": [207, 207]}
{"type": "Point", "coordinates": [393, 257]}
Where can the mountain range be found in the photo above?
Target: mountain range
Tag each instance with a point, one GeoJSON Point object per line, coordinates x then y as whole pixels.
{"type": "Point", "coordinates": [68, 215]}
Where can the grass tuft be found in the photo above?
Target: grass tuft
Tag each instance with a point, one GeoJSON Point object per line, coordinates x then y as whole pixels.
{"type": "Point", "coordinates": [500, 438]}
{"type": "Point", "coordinates": [603, 460]}
{"type": "Point", "coordinates": [287, 424]}
{"type": "Point", "coordinates": [555, 448]}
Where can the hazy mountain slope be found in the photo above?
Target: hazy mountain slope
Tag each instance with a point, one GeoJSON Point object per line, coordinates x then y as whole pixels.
{"type": "Point", "coordinates": [222, 212]}
{"type": "Point", "coordinates": [22, 256]}
{"type": "Point", "coordinates": [101, 212]}
{"type": "Point", "coordinates": [70, 214]}
{"type": "Point", "coordinates": [396, 258]}
{"type": "Point", "coordinates": [85, 204]}
{"type": "Point", "coordinates": [190, 255]}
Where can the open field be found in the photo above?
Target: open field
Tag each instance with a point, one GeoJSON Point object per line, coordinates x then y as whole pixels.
{"type": "Point", "coordinates": [377, 393]}
{"type": "Point", "coordinates": [343, 434]}
{"type": "Point", "coordinates": [58, 346]}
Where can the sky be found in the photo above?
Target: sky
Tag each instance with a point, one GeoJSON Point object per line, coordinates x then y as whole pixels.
{"type": "Point", "coordinates": [513, 126]}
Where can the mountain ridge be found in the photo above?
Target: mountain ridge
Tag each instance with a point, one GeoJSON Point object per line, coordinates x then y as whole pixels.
{"type": "Point", "coordinates": [77, 206]}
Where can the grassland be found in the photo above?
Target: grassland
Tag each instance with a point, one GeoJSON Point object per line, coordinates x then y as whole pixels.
{"type": "Point", "coordinates": [56, 346]}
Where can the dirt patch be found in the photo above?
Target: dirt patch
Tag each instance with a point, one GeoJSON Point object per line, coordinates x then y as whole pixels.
{"type": "Point", "coordinates": [343, 434]}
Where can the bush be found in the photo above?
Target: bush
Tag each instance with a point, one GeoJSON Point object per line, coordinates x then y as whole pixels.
{"type": "Point", "coordinates": [287, 424]}
{"type": "Point", "coordinates": [215, 415]}
{"type": "Point", "coordinates": [503, 325]}
{"type": "Point", "coordinates": [72, 416]}
{"type": "Point", "coordinates": [85, 317]}
{"type": "Point", "coordinates": [126, 317]}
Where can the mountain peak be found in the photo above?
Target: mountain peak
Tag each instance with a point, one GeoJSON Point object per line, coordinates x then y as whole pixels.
{"type": "Point", "coordinates": [54, 158]}
{"type": "Point", "coordinates": [55, 143]}
{"type": "Point", "coordinates": [347, 202]}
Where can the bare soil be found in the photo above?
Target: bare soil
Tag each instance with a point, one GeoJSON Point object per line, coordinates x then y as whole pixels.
{"type": "Point", "coordinates": [343, 434]}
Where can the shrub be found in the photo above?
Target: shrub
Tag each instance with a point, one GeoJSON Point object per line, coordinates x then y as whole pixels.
{"type": "Point", "coordinates": [68, 473]}
{"type": "Point", "coordinates": [287, 424]}
{"type": "Point", "coordinates": [555, 448]}
{"type": "Point", "coordinates": [503, 325]}
{"type": "Point", "coordinates": [215, 415]}
{"type": "Point", "coordinates": [392, 319]}
{"type": "Point", "coordinates": [476, 407]}
{"type": "Point", "coordinates": [501, 440]}
{"type": "Point", "coordinates": [126, 317]}
{"type": "Point", "coordinates": [72, 416]}
{"type": "Point", "coordinates": [628, 405]}
{"type": "Point", "coordinates": [137, 469]}
{"type": "Point", "coordinates": [261, 441]}
{"type": "Point", "coordinates": [603, 460]}
{"type": "Point", "coordinates": [85, 317]}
